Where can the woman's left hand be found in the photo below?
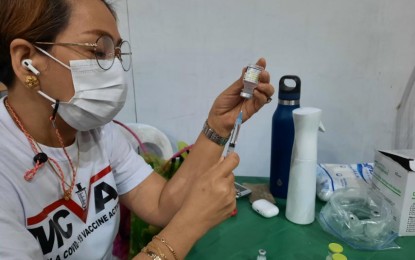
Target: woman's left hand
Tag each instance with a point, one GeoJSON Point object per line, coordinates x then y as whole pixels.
{"type": "Point", "coordinates": [229, 103]}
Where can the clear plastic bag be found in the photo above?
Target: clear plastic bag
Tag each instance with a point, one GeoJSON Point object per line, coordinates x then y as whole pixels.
{"type": "Point", "coordinates": [360, 217]}
{"type": "Point", "coordinates": [331, 177]}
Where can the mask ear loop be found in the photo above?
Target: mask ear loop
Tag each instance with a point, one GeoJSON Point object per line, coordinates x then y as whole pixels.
{"type": "Point", "coordinates": [53, 58]}
{"type": "Point", "coordinates": [55, 110]}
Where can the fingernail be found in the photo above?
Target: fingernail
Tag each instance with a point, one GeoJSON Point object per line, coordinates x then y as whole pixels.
{"type": "Point", "coordinates": [234, 212]}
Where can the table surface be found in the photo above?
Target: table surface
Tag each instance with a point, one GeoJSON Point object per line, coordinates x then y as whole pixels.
{"type": "Point", "coordinates": [241, 237]}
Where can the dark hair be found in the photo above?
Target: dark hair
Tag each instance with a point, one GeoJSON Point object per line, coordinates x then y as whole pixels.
{"type": "Point", "coordinates": [32, 20]}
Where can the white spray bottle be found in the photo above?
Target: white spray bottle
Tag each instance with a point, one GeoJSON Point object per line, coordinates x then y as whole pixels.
{"type": "Point", "coordinates": [301, 195]}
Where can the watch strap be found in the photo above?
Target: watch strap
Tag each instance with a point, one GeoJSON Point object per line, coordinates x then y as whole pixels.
{"type": "Point", "coordinates": [213, 136]}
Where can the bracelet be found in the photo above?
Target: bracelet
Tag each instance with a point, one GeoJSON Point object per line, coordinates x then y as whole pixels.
{"type": "Point", "coordinates": [167, 245]}
{"type": "Point", "coordinates": [153, 246]}
{"type": "Point", "coordinates": [213, 136]}
{"type": "Point", "coordinates": [153, 255]}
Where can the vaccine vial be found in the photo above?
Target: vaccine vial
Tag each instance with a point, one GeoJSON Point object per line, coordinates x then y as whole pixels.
{"type": "Point", "coordinates": [261, 255]}
{"type": "Point", "coordinates": [334, 248]}
{"type": "Point", "coordinates": [251, 78]}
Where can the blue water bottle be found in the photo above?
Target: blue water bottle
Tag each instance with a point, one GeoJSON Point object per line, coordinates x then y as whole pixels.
{"type": "Point", "coordinates": [282, 136]}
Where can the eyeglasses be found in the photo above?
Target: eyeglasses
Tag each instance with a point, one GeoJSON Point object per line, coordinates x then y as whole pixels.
{"type": "Point", "coordinates": [105, 51]}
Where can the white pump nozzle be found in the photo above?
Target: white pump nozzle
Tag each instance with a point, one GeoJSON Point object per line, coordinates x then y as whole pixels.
{"type": "Point", "coordinates": [321, 127]}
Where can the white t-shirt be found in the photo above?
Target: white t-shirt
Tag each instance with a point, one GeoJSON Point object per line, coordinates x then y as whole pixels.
{"type": "Point", "coordinates": [36, 222]}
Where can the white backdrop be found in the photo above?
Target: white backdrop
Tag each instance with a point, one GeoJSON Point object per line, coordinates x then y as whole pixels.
{"type": "Point", "coordinates": [354, 58]}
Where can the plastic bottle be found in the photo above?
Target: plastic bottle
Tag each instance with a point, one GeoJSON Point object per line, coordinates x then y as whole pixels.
{"type": "Point", "coordinates": [301, 197]}
{"type": "Point", "coordinates": [282, 136]}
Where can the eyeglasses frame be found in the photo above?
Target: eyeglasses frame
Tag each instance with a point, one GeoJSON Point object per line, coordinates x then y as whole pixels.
{"type": "Point", "coordinates": [117, 49]}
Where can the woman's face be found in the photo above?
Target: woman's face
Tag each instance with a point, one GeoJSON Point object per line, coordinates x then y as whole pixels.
{"type": "Point", "coordinates": [89, 20]}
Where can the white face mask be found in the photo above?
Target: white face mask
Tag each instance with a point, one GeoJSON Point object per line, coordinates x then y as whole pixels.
{"type": "Point", "coordinates": [99, 94]}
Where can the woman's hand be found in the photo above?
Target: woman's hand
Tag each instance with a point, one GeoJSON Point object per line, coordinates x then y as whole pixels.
{"type": "Point", "coordinates": [228, 104]}
{"type": "Point", "coordinates": [211, 198]}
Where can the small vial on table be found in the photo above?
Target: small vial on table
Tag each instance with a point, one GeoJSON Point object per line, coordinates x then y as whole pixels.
{"type": "Point", "coordinates": [261, 255]}
{"type": "Point", "coordinates": [251, 78]}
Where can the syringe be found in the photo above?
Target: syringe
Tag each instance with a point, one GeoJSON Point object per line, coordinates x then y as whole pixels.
{"type": "Point", "coordinates": [231, 146]}
{"type": "Point", "coordinates": [235, 133]}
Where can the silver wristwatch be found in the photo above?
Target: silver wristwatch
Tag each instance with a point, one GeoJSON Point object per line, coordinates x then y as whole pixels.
{"type": "Point", "coordinates": [213, 136]}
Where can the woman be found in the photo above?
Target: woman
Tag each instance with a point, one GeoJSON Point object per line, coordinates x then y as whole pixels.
{"type": "Point", "coordinates": [65, 166]}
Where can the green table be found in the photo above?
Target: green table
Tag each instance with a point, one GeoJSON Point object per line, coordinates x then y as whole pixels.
{"type": "Point", "coordinates": [241, 237]}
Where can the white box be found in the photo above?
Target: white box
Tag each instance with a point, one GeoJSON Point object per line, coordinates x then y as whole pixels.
{"type": "Point", "coordinates": [394, 177]}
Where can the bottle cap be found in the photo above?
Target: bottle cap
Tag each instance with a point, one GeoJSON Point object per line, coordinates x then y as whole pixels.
{"type": "Point", "coordinates": [335, 248]}
{"type": "Point", "coordinates": [289, 93]}
{"type": "Point", "coordinates": [338, 256]}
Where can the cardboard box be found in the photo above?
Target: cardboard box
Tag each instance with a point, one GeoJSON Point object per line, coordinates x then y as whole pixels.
{"type": "Point", "coordinates": [394, 177]}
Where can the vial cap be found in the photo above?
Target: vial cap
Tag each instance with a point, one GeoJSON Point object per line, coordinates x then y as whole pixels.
{"type": "Point", "coordinates": [246, 95]}
{"type": "Point", "coordinates": [338, 256]}
{"type": "Point", "coordinates": [335, 248]}
{"type": "Point", "coordinates": [262, 252]}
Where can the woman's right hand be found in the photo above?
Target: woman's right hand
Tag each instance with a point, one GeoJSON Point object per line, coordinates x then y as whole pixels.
{"type": "Point", "coordinates": [212, 199]}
